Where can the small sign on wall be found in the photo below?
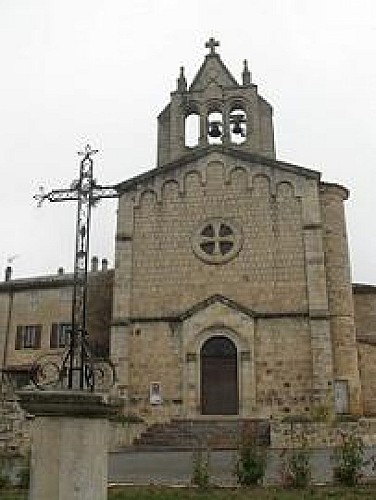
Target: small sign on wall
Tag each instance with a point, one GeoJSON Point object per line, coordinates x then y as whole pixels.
{"type": "Point", "coordinates": [155, 393]}
{"type": "Point", "coordinates": [341, 396]}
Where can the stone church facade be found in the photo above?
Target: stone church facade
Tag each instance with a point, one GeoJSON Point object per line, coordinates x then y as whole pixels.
{"type": "Point", "coordinates": [223, 241]}
{"type": "Point", "coordinates": [231, 292]}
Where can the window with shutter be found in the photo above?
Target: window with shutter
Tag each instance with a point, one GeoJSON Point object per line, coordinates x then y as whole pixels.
{"type": "Point", "coordinates": [60, 335]}
{"type": "Point", "coordinates": [38, 336]}
{"type": "Point", "coordinates": [53, 336]}
{"type": "Point", "coordinates": [28, 336]}
{"type": "Point", "coordinates": [19, 337]}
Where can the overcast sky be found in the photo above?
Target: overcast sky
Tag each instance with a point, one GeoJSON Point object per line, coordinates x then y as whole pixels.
{"type": "Point", "coordinates": [100, 71]}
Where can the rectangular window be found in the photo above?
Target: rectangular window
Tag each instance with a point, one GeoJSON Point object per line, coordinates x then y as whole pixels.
{"type": "Point", "coordinates": [60, 335]}
{"type": "Point", "coordinates": [28, 336]}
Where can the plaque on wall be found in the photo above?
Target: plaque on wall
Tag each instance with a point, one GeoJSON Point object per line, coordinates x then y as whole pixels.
{"type": "Point", "coordinates": [155, 393]}
{"type": "Point", "coordinates": [341, 396]}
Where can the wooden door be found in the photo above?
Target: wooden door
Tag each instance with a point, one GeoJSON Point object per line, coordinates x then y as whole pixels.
{"type": "Point", "coordinates": [219, 377]}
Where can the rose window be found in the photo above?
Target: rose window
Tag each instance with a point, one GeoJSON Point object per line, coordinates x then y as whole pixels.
{"type": "Point", "coordinates": [217, 241]}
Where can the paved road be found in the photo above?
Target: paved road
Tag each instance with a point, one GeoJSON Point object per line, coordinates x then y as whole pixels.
{"type": "Point", "coordinates": [174, 467]}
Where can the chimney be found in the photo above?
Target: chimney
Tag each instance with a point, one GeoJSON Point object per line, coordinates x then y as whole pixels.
{"type": "Point", "coordinates": [94, 263]}
{"type": "Point", "coordinates": [104, 264]}
{"type": "Point", "coordinates": [60, 271]}
{"type": "Point", "coordinates": [8, 273]}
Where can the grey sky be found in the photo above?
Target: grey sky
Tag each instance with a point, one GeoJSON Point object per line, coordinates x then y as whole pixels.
{"type": "Point", "coordinates": [100, 71]}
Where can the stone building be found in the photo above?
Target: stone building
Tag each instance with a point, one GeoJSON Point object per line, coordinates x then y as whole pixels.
{"type": "Point", "coordinates": [231, 292]}
{"type": "Point", "coordinates": [35, 318]}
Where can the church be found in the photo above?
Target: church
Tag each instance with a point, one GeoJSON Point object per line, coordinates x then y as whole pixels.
{"type": "Point", "coordinates": [231, 293]}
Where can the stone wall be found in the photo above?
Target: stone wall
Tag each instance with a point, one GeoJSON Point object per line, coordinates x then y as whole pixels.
{"type": "Point", "coordinates": [122, 435]}
{"type": "Point", "coordinates": [367, 367]}
{"type": "Point", "coordinates": [99, 311]}
{"type": "Point", "coordinates": [155, 356]}
{"type": "Point", "coordinates": [268, 274]}
{"type": "Point", "coordinates": [275, 376]}
{"type": "Point", "coordinates": [365, 323]}
{"type": "Point", "coordinates": [14, 427]}
{"type": "Point", "coordinates": [365, 312]}
{"type": "Point", "coordinates": [320, 434]}
{"type": "Point", "coordinates": [15, 430]}
{"type": "Point", "coordinates": [283, 366]}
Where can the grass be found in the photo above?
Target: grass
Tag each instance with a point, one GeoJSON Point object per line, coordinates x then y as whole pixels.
{"type": "Point", "coordinates": [162, 493]}
{"type": "Point", "coordinates": [12, 495]}
{"type": "Point", "coordinates": [322, 493]}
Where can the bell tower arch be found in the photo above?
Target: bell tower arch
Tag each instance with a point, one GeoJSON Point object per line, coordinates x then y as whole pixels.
{"type": "Point", "coordinates": [225, 113]}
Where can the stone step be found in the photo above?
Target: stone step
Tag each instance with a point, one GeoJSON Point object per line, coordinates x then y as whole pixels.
{"type": "Point", "coordinates": [214, 433]}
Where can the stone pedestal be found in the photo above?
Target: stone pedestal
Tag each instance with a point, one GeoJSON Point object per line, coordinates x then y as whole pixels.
{"type": "Point", "coordinates": [69, 444]}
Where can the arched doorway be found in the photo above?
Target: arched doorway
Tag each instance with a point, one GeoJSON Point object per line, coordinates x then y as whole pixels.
{"type": "Point", "coordinates": [219, 377]}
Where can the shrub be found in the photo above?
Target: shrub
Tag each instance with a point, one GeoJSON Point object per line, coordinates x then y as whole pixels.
{"type": "Point", "coordinates": [4, 480]}
{"type": "Point", "coordinates": [296, 469]}
{"type": "Point", "coordinates": [296, 465]}
{"type": "Point", "coordinates": [24, 477]}
{"type": "Point", "coordinates": [349, 459]}
{"type": "Point", "coordinates": [297, 419]}
{"type": "Point", "coordinates": [200, 467]}
{"type": "Point", "coordinates": [127, 419]}
{"type": "Point", "coordinates": [250, 463]}
{"type": "Point", "coordinates": [4, 476]}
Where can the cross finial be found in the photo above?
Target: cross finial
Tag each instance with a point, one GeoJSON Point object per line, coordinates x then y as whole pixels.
{"type": "Point", "coordinates": [212, 44]}
{"type": "Point", "coordinates": [88, 151]}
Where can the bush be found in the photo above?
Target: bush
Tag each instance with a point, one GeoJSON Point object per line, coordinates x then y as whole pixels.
{"type": "Point", "coordinates": [349, 460]}
{"type": "Point", "coordinates": [250, 463]}
{"type": "Point", "coordinates": [200, 467]}
{"type": "Point", "coordinates": [297, 469]}
{"type": "Point", "coordinates": [4, 480]}
{"type": "Point", "coordinates": [296, 465]}
{"type": "Point", "coordinates": [130, 418]}
{"type": "Point", "coordinates": [4, 475]}
{"type": "Point", "coordinates": [24, 477]}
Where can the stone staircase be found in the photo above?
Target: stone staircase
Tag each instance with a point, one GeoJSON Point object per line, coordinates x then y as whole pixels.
{"type": "Point", "coordinates": [216, 434]}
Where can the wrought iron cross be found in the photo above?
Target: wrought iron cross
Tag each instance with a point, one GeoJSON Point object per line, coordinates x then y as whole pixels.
{"type": "Point", "coordinates": [77, 367]}
{"type": "Point", "coordinates": [212, 44]}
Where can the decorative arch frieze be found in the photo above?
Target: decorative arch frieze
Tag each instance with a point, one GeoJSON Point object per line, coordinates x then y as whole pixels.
{"type": "Point", "coordinates": [170, 183]}
{"type": "Point", "coordinates": [277, 179]}
{"type": "Point", "coordinates": [285, 190]}
{"type": "Point", "coordinates": [260, 182]}
{"type": "Point", "coordinates": [232, 171]}
{"type": "Point", "coordinates": [201, 179]}
{"type": "Point", "coordinates": [141, 195]}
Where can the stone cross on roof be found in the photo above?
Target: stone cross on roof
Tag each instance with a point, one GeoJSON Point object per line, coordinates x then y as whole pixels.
{"type": "Point", "coordinates": [212, 44]}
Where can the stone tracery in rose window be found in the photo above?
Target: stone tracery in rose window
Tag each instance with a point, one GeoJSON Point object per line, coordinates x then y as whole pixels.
{"type": "Point", "coordinates": [217, 241]}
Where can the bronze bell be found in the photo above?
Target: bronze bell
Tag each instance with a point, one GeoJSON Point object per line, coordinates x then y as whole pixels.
{"type": "Point", "coordinates": [236, 121]}
{"type": "Point", "coordinates": [237, 128]}
{"type": "Point", "coordinates": [214, 130]}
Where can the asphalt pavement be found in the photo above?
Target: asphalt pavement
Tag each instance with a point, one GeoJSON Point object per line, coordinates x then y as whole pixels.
{"type": "Point", "coordinates": [175, 467]}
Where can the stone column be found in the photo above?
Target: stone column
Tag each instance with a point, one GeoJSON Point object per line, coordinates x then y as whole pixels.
{"type": "Point", "coordinates": [191, 391]}
{"type": "Point", "coordinates": [340, 295]}
{"type": "Point", "coordinates": [247, 399]}
{"type": "Point", "coordinates": [69, 446]}
{"type": "Point", "coordinates": [321, 342]}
